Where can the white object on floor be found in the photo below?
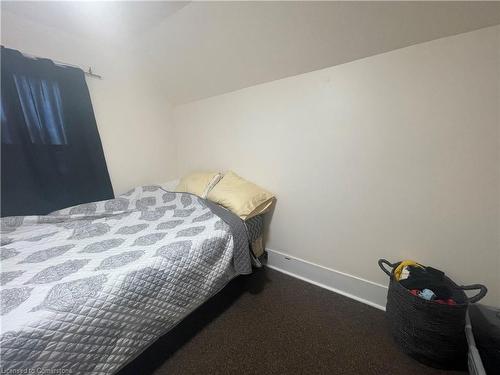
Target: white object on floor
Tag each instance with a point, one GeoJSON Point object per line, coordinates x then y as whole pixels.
{"type": "Point", "coordinates": [405, 273]}
{"type": "Point", "coordinates": [351, 286]}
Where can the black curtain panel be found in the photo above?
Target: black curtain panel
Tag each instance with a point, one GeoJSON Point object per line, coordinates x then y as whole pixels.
{"type": "Point", "coordinates": [51, 153]}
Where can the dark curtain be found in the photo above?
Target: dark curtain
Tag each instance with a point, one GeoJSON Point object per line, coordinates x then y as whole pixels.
{"type": "Point", "coordinates": [51, 154]}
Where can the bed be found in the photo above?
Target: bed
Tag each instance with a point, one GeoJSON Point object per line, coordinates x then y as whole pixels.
{"type": "Point", "coordinates": [86, 289]}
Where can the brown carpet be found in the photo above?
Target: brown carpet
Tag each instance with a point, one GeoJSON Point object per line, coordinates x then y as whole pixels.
{"type": "Point", "coordinates": [271, 323]}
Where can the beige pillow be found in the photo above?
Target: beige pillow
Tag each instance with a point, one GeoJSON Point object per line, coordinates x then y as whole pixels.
{"type": "Point", "coordinates": [240, 196]}
{"type": "Point", "coordinates": [198, 183]}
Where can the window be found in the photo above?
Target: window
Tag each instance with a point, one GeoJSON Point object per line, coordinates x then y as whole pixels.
{"type": "Point", "coordinates": [51, 152]}
{"type": "Point", "coordinates": [41, 106]}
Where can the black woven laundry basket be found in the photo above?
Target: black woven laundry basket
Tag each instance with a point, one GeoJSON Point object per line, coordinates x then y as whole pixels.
{"type": "Point", "coordinates": [432, 333]}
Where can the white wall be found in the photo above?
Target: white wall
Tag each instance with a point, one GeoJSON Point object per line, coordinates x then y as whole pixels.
{"type": "Point", "coordinates": [393, 156]}
{"type": "Point", "coordinates": [132, 113]}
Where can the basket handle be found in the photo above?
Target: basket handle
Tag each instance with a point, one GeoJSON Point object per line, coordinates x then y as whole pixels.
{"type": "Point", "coordinates": [382, 262]}
{"type": "Point", "coordinates": [482, 292]}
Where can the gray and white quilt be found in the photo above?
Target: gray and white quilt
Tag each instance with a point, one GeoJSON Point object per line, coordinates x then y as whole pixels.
{"type": "Point", "coordinates": [87, 288]}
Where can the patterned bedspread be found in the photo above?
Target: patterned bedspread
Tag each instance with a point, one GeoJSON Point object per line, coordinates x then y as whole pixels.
{"type": "Point", "coordinates": [87, 288]}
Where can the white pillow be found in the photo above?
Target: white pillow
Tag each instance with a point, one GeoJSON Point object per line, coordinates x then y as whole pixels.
{"type": "Point", "coordinates": [170, 185]}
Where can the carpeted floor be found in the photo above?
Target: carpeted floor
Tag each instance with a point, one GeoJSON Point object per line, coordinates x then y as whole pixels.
{"type": "Point", "coordinates": [271, 323]}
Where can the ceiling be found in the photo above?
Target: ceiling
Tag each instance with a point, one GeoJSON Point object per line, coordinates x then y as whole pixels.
{"type": "Point", "coordinates": [201, 49]}
{"type": "Point", "coordinates": [114, 21]}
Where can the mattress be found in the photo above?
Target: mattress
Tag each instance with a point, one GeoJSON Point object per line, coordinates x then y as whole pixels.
{"type": "Point", "coordinates": [255, 230]}
{"type": "Point", "coordinates": [87, 288]}
{"type": "Point", "coordinates": [255, 227]}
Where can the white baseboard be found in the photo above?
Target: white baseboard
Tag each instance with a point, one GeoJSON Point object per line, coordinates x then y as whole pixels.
{"type": "Point", "coordinates": [359, 289]}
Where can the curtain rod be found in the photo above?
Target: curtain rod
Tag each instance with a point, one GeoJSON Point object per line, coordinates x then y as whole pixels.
{"type": "Point", "coordinates": [87, 72]}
